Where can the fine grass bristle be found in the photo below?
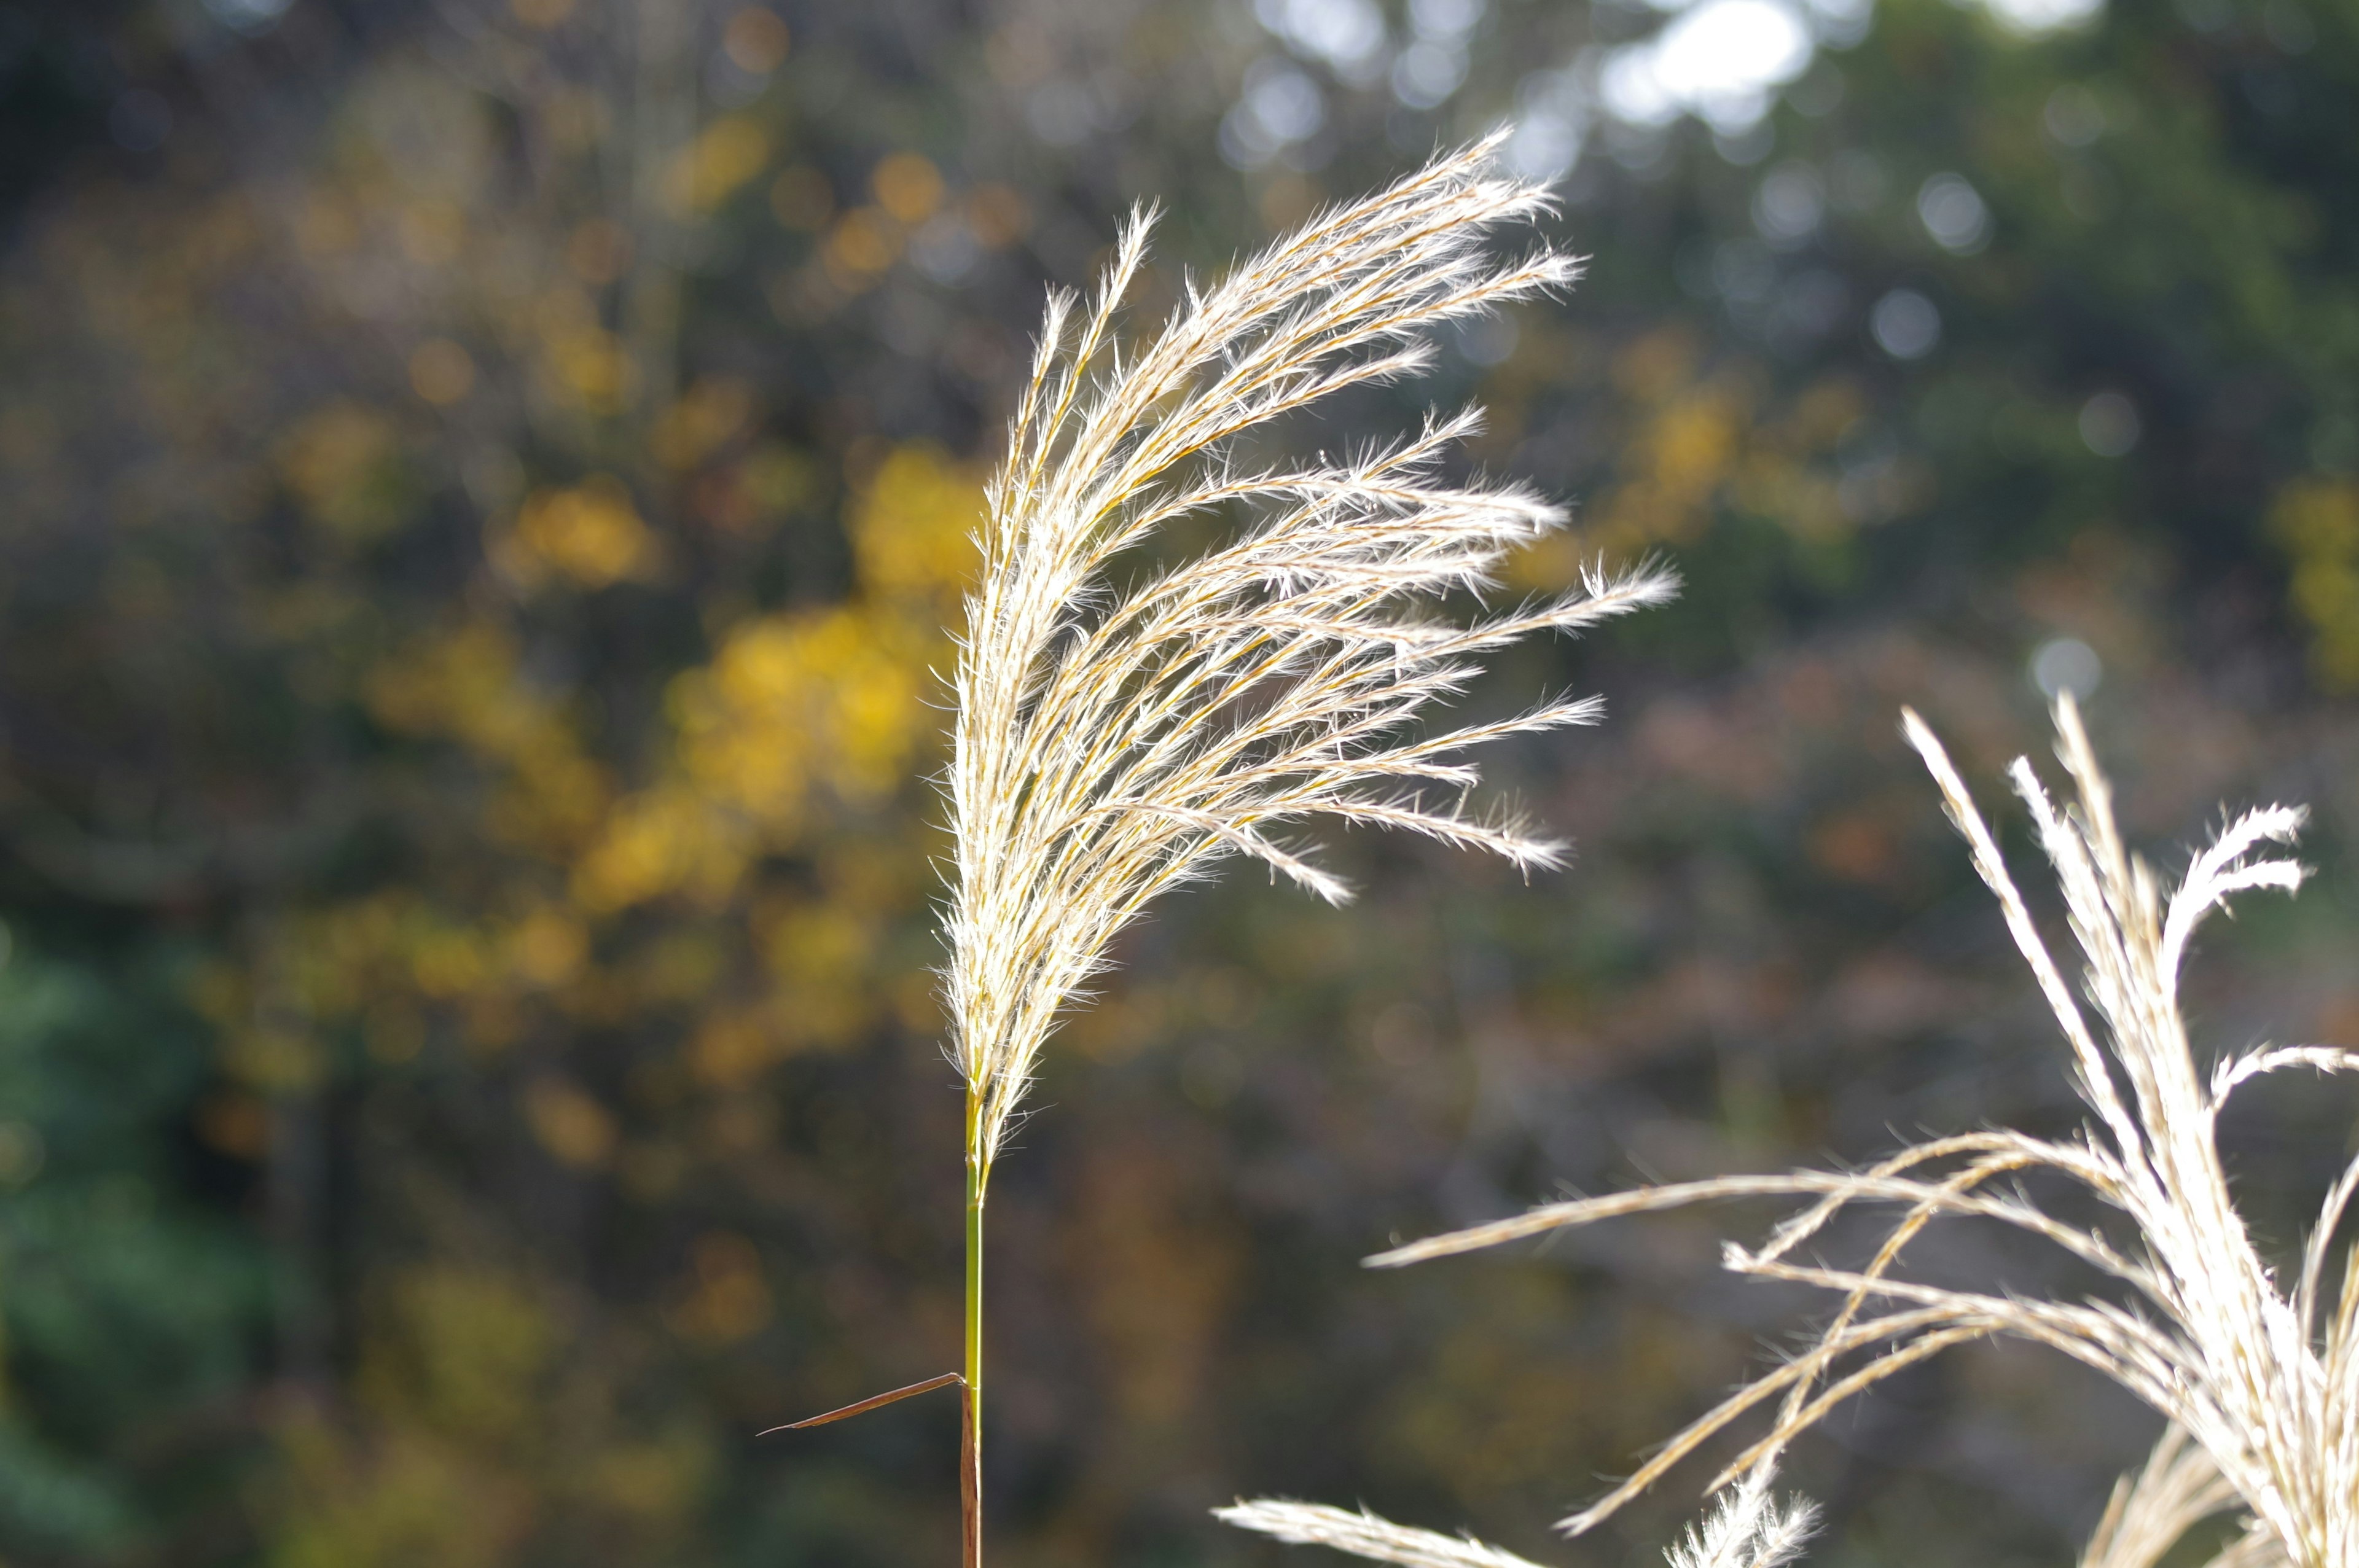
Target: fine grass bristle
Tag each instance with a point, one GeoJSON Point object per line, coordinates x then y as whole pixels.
{"type": "Point", "coordinates": [1365, 1535]}
{"type": "Point", "coordinates": [2259, 1380]}
{"type": "Point", "coordinates": [2153, 1508]}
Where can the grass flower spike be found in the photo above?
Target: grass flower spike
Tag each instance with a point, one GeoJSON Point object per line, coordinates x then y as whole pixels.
{"type": "Point", "coordinates": [1365, 1535]}
{"type": "Point", "coordinates": [1748, 1528]}
{"type": "Point", "coordinates": [2258, 1376]}
{"type": "Point", "coordinates": [1116, 741]}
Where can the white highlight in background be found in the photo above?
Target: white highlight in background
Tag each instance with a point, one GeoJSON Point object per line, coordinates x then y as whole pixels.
{"type": "Point", "coordinates": [1720, 59]}
{"type": "Point", "coordinates": [2067, 664]}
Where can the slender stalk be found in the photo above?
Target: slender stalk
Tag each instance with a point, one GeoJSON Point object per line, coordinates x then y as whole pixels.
{"type": "Point", "coordinates": [978, 1174]}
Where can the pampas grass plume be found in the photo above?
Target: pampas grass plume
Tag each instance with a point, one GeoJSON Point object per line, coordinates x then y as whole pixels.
{"type": "Point", "coordinates": [1116, 741]}
{"type": "Point", "coordinates": [1114, 745]}
{"type": "Point", "coordinates": [2258, 1376]}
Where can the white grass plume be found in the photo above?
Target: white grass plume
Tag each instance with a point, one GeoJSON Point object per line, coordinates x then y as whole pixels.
{"type": "Point", "coordinates": [1365, 1535]}
{"type": "Point", "coordinates": [1748, 1528]}
{"type": "Point", "coordinates": [1112, 744]}
{"type": "Point", "coordinates": [2263, 1378]}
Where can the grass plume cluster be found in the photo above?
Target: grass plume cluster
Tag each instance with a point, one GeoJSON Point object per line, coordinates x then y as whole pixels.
{"type": "Point", "coordinates": [1747, 1529]}
{"type": "Point", "coordinates": [1365, 1535]}
{"type": "Point", "coordinates": [1113, 742]}
{"type": "Point", "coordinates": [2258, 1376]}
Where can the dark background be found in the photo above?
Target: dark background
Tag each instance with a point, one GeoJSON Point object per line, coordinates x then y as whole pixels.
{"type": "Point", "coordinates": [482, 492]}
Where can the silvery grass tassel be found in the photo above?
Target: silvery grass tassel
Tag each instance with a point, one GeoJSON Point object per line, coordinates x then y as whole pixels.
{"type": "Point", "coordinates": [1113, 740]}
{"type": "Point", "coordinates": [2259, 1378]}
{"type": "Point", "coordinates": [1113, 743]}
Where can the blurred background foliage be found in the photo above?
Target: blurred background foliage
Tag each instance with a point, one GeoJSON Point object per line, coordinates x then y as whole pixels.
{"type": "Point", "coordinates": [485, 493]}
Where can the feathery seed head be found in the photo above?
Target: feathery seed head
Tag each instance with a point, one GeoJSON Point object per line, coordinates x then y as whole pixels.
{"type": "Point", "coordinates": [1365, 1535]}
{"type": "Point", "coordinates": [1113, 744]}
{"type": "Point", "coordinates": [2260, 1381]}
{"type": "Point", "coordinates": [1749, 1527]}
